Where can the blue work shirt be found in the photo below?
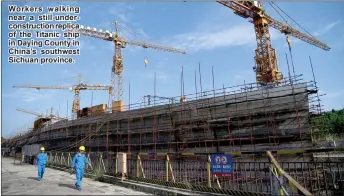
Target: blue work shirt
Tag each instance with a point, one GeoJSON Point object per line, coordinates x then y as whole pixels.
{"type": "Point", "coordinates": [79, 161]}
{"type": "Point", "coordinates": [41, 159]}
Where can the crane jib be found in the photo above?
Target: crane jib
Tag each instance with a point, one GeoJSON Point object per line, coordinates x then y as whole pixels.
{"type": "Point", "coordinates": [248, 9]}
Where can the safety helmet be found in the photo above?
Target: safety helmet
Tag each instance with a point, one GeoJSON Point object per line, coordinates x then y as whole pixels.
{"type": "Point", "coordinates": [42, 148]}
{"type": "Point", "coordinates": [82, 148]}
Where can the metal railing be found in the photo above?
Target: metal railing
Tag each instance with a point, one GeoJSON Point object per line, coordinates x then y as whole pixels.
{"type": "Point", "coordinates": [194, 173]}
{"type": "Point", "coordinates": [281, 182]}
{"type": "Point", "coordinates": [320, 178]}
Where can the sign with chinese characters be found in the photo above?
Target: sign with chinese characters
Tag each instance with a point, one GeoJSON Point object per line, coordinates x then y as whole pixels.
{"type": "Point", "coordinates": [221, 164]}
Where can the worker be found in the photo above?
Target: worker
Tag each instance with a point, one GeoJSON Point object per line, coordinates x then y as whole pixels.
{"type": "Point", "coordinates": [41, 160]}
{"type": "Point", "coordinates": [78, 164]}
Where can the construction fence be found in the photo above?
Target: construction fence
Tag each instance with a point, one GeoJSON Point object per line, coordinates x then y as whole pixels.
{"type": "Point", "coordinates": [194, 173]}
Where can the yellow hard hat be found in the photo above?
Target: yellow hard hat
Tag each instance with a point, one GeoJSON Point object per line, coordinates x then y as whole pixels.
{"type": "Point", "coordinates": [42, 148]}
{"type": "Point", "coordinates": [82, 148]}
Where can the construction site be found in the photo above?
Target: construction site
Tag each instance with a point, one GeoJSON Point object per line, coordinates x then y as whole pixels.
{"type": "Point", "coordinates": [265, 126]}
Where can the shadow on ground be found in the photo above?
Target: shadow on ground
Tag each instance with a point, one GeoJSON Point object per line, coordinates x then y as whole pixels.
{"type": "Point", "coordinates": [32, 178]}
{"type": "Point", "coordinates": [71, 186]}
{"type": "Point", "coordinates": [17, 163]}
{"type": "Point", "coordinates": [4, 188]}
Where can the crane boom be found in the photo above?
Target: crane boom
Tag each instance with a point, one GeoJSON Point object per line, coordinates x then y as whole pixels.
{"type": "Point", "coordinates": [153, 46]}
{"type": "Point", "coordinates": [117, 64]}
{"type": "Point", "coordinates": [266, 68]}
{"type": "Point", "coordinates": [246, 9]}
{"type": "Point", "coordinates": [30, 112]}
{"type": "Point", "coordinates": [108, 36]}
{"type": "Point", "coordinates": [39, 114]}
{"type": "Point", "coordinates": [38, 87]}
{"type": "Point", "coordinates": [87, 31]}
{"type": "Point", "coordinates": [286, 29]}
{"type": "Point", "coordinates": [76, 87]}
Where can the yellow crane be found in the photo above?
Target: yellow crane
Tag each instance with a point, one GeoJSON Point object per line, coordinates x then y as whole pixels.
{"type": "Point", "coordinates": [76, 88]}
{"type": "Point", "coordinates": [266, 68]}
{"type": "Point", "coordinates": [40, 115]}
{"type": "Point", "coordinates": [120, 42]}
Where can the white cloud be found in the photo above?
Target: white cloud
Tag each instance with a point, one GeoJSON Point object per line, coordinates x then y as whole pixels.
{"type": "Point", "coordinates": [326, 28]}
{"type": "Point", "coordinates": [227, 37]}
{"type": "Point", "coordinates": [334, 94]}
{"type": "Point", "coordinates": [321, 92]}
{"type": "Point", "coordinates": [332, 100]}
{"type": "Point", "coordinates": [122, 11]}
{"type": "Point", "coordinates": [67, 75]}
{"type": "Point", "coordinates": [86, 45]}
{"type": "Point", "coordinates": [321, 31]}
{"type": "Point", "coordinates": [160, 75]}
{"type": "Point", "coordinates": [161, 63]}
{"type": "Point", "coordinates": [244, 75]}
{"type": "Point", "coordinates": [142, 33]}
{"type": "Point", "coordinates": [29, 95]}
{"type": "Point", "coordinates": [233, 36]}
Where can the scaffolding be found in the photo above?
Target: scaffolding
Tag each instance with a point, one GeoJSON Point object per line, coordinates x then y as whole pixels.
{"type": "Point", "coordinates": [245, 121]}
{"type": "Point", "coordinates": [171, 138]}
{"type": "Point", "coordinates": [244, 118]}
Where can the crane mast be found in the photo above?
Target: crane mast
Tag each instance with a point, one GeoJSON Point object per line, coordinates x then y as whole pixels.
{"type": "Point", "coordinates": [266, 59]}
{"type": "Point", "coordinates": [117, 67]}
{"type": "Point", "coordinates": [117, 64]}
{"type": "Point", "coordinates": [267, 70]}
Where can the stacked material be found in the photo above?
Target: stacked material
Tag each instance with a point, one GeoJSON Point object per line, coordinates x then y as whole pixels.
{"type": "Point", "coordinates": [98, 110]}
{"type": "Point", "coordinates": [118, 106]}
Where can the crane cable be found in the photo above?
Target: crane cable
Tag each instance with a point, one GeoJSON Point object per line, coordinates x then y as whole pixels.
{"type": "Point", "coordinates": [88, 136]}
{"type": "Point", "coordinates": [288, 17]}
{"type": "Point", "coordinates": [279, 13]}
{"type": "Point", "coordinates": [137, 34]}
{"type": "Point", "coordinates": [134, 32]}
{"type": "Point", "coordinates": [287, 38]}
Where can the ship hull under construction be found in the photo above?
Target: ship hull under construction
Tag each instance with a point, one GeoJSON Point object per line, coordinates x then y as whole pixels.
{"type": "Point", "coordinates": [243, 119]}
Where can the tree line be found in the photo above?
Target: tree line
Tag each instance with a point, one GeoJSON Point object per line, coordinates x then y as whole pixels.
{"type": "Point", "coordinates": [331, 122]}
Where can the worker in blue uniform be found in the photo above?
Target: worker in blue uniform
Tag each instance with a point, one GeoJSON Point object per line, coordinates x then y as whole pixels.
{"type": "Point", "coordinates": [41, 160]}
{"type": "Point", "coordinates": [78, 164]}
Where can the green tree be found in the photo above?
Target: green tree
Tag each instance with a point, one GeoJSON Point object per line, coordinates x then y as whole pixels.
{"type": "Point", "coordinates": [331, 122]}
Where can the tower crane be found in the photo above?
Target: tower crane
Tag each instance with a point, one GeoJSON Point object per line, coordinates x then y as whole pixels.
{"type": "Point", "coordinates": [76, 88]}
{"type": "Point", "coordinates": [266, 68]}
{"type": "Point", "coordinates": [120, 42]}
{"type": "Point", "coordinates": [52, 116]}
{"type": "Point", "coordinates": [41, 117]}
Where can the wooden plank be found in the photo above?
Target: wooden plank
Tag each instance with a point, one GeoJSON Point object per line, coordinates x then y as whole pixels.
{"type": "Point", "coordinates": [290, 179]}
